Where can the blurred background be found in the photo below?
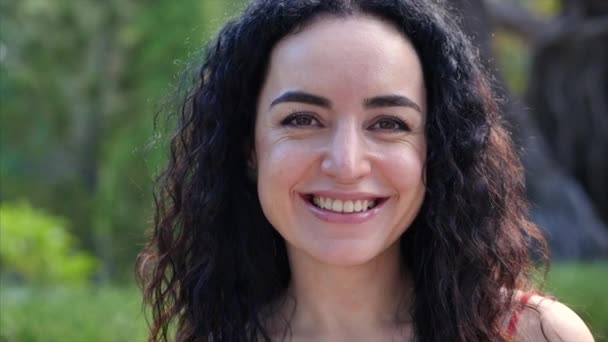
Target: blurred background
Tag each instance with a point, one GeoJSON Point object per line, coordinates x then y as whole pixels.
{"type": "Point", "coordinates": [81, 82]}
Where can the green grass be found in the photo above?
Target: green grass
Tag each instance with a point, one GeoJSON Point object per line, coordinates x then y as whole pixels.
{"type": "Point", "coordinates": [62, 314]}
{"type": "Point", "coordinates": [584, 288]}
{"type": "Point", "coordinates": [114, 313]}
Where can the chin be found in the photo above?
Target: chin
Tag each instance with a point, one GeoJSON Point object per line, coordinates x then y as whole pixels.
{"type": "Point", "coordinates": [343, 253]}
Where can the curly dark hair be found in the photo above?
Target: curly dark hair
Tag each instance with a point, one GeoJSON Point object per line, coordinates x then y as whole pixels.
{"type": "Point", "coordinates": [214, 262]}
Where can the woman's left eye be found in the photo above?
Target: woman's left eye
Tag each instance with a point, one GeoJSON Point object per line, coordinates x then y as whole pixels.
{"type": "Point", "coordinates": [390, 124]}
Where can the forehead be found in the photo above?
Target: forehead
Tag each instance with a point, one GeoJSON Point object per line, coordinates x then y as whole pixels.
{"type": "Point", "coordinates": [355, 55]}
{"type": "Point", "coordinates": [337, 30]}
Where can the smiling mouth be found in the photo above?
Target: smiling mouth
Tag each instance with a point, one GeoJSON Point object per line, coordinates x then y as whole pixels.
{"type": "Point", "coordinates": [344, 206]}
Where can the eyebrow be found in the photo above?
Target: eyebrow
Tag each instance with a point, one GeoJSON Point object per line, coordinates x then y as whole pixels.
{"type": "Point", "coordinates": [302, 97]}
{"type": "Point", "coordinates": [391, 101]}
{"type": "Point", "coordinates": [372, 102]}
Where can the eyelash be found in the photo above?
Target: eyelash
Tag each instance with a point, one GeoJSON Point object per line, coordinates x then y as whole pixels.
{"type": "Point", "coordinates": [400, 124]}
{"type": "Point", "coordinates": [290, 121]}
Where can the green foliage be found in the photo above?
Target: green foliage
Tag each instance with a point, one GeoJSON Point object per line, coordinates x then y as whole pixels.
{"type": "Point", "coordinates": [72, 314]}
{"type": "Point", "coordinates": [37, 247]}
{"type": "Point", "coordinates": [513, 54]}
{"type": "Point", "coordinates": [115, 313]}
{"type": "Point", "coordinates": [583, 288]}
{"type": "Point", "coordinates": [80, 84]}
{"type": "Point", "coordinates": [545, 8]}
{"type": "Point", "coordinates": [513, 59]}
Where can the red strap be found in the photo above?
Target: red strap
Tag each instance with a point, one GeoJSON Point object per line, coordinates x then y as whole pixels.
{"type": "Point", "coordinates": [512, 329]}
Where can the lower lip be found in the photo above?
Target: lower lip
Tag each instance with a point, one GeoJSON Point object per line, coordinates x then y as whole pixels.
{"type": "Point", "coordinates": [344, 218]}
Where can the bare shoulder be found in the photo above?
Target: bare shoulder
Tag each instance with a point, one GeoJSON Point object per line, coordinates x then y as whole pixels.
{"type": "Point", "coordinates": [546, 319]}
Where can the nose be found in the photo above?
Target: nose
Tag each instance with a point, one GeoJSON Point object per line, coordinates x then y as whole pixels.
{"type": "Point", "coordinates": [346, 157]}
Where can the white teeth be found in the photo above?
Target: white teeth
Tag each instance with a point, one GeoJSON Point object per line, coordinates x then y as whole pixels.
{"type": "Point", "coordinates": [326, 203]}
{"type": "Point", "coordinates": [348, 207]}
{"type": "Point", "coordinates": [317, 201]}
{"type": "Point", "coordinates": [337, 206]}
{"type": "Point", "coordinates": [341, 206]}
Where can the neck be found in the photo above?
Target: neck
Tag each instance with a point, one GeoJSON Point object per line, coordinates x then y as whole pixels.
{"type": "Point", "coordinates": [335, 300]}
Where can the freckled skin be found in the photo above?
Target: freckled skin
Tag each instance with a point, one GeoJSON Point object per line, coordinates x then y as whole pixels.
{"type": "Point", "coordinates": [341, 148]}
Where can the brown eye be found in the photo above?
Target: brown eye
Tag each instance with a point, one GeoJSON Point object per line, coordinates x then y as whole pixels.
{"type": "Point", "coordinates": [390, 124]}
{"type": "Point", "coordinates": [300, 120]}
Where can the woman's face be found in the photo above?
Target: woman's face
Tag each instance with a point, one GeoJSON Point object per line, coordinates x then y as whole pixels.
{"type": "Point", "coordinates": [339, 139]}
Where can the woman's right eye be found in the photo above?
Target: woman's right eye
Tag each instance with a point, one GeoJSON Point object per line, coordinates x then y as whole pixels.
{"type": "Point", "coordinates": [301, 120]}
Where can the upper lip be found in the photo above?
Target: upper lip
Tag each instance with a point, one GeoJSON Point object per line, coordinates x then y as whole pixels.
{"type": "Point", "coordinates": [344, 195]}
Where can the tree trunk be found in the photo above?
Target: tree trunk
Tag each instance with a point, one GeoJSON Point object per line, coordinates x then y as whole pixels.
{"type": "Point", "coordinates": [569, 92]}
{"type": "Point", "coordinates": [559, 204]}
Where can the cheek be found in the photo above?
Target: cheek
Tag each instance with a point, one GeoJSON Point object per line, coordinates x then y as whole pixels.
{"type": "Point", "coordinates": [281, 160]}
{"type": "Point", "coordinates": [282, 166]}
{"type": "Point", "coordinates": [404, 166]}
{"type": "Point", "coordinates": [404, 174]}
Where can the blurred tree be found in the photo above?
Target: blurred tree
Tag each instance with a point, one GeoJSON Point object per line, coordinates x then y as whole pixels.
{"type": "Point", "coordinates": [37, 248]}
{"type": "Point", "coordinates": [80, 84]}
{"type": "Point", "coordinates": [63, 65]}
{"type": "Point", "coordinates": [569, 93]}
{"type": "Point", "coordinates": [559, 202]}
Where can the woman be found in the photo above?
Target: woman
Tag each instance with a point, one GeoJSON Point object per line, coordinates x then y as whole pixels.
{"type": "Point", "coordinates": [341, 173]}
